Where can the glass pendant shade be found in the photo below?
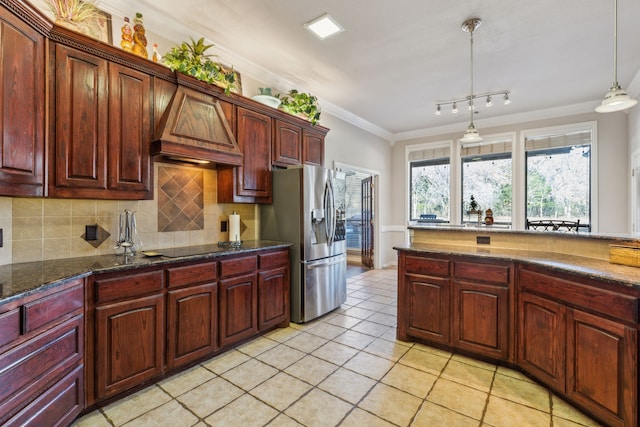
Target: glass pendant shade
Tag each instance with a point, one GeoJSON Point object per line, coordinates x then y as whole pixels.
{"type": "Point", "coordinates": [615, 100]}
{"type": "Point", "coordinates": [471, 134]}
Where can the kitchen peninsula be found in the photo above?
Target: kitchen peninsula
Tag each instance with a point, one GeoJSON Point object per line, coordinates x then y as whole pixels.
{"type": "Point", "coordinates": [549, 303]}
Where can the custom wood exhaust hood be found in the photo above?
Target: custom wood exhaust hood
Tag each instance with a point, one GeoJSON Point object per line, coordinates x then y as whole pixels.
{"type": "Point", "coordinates": [194, 129]}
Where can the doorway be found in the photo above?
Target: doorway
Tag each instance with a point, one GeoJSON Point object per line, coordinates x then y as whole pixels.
{"type": "Point", "coordinates": [360, 218]}
{"type": "Point", "coordinates": [635, 194]}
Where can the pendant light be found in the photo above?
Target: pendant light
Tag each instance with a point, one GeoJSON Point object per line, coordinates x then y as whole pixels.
{"type": "Point", "coordinates": [616, 99]}
{"type": "Point", "coordinates": [471, 134]}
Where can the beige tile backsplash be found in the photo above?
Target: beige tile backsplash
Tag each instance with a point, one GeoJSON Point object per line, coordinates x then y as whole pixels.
{"type": "Point", "coordinates": [37, 229]}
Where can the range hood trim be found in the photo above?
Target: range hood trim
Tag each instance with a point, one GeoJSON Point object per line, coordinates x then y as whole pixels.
{"type": "Point", "coordinates": [194, 127]}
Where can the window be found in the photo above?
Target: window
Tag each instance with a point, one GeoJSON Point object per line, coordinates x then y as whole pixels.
{"type": "Point", "coordinates": [558, 178]}
{"type": "Point", "coordinates": [487, 175]}
{"type": "Point", "coordinates": [430, 189]}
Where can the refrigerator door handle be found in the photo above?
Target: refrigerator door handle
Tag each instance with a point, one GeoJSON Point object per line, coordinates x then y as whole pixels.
{"type": "Point", "coordinates": [330, 221]}
{"type": "Point", "coordinates": [325, 264]}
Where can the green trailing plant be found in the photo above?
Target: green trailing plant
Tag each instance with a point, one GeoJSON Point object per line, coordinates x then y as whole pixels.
{"type": "Point", "coordinates": [191, 59]}
{"type": "Point", "coordinates": [300, 103]}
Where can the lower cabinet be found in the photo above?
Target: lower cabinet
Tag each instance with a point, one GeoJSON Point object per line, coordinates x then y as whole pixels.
{"type": "Point", "coordinates": [460, 304]}
{"type": "Point", "coordinates": [192, 323]}
{"type": "Point", "coordinates": [238, 308]}
{"type": "Point", "coordinates": [129, 345]}
{"type": "Point", "coordinates": [146, 323]}
{"type": "Point", "coordinates": [42, 357]}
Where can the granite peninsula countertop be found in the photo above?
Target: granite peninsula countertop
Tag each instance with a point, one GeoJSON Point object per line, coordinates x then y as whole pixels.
{"type": "Point", "coordinates": [588, 267]}
{"type": "Point", "coordinates": [19, 280]}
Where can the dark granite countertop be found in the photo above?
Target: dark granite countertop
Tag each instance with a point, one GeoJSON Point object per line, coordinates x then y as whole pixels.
{"type": "Point", "coordinates": [19, 280]}
{"type": "Point", "coordinates": [588, 267]}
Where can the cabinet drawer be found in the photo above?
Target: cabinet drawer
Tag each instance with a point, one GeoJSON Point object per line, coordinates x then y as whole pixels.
{"type": "Point", "coordinates": [38, 313]}
{"type": "Point", "coordinates": [116, 288]}
{"type": "Point", "coordinates": [190, 274]}
{"type": "Point", "coordinates": [610, 304]}
{"type": "Point", "coordinates": [9, 326]}
{"type": "Point", "coordinates": [274, 259]}
{"type": "Point", "coordinates": [481, 272]}
{"type": "Point", "coordinates": [62, 402]}
{"type": "Point", "coordinates": [428, 266]}
{"type": "Point", "coordinates": [231, 267]}
{"type": "Point", "coordinates": [38, 361]}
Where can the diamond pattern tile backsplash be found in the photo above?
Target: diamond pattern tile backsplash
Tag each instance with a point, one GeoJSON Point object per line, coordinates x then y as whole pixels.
{"type": "Point", "coordinates": [180, 199]}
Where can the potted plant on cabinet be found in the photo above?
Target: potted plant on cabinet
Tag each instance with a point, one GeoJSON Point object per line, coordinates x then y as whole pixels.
{"type": "Point", "coordinates": [191, 59]}
{"type": "Point", "coordinates": [300, 104]}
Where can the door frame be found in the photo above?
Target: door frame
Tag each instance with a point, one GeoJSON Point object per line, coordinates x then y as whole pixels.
{"type": "Point", "coordinates": [634, 217]}
{"type": "Point", "coordinates": [344, 167]}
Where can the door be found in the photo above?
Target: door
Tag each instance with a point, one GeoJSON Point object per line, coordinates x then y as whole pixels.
{"type": "Point", "coordinates": [238, 307]}
{"type": "Point", "coordinates": [367, 221]}
{"type": "Point", "coordinates": [325, 288]}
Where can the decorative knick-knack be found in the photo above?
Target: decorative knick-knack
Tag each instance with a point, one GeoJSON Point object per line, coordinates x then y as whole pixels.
{"type": "Point", "coordinates": [127, 36]}
{"type": "Point", "coordinates": [139, 39]}
{"type": "Point", "coordinates": [488, 219]}
{"type": "Point", "coordinates": [155, 57]}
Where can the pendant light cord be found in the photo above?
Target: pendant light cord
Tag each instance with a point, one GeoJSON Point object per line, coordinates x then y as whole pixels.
{"type": "Point", "coordinates": [471, 79]}
{"type": "Point", "coordinates": [615, 43]}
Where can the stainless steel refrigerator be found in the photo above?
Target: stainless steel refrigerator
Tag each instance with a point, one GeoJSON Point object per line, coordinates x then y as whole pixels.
{"type": "Point", "coordinates": [308, 210]}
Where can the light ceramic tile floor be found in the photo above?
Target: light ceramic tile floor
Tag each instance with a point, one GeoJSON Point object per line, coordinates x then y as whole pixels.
{"type": "Point", "coordinates": [346, 369]}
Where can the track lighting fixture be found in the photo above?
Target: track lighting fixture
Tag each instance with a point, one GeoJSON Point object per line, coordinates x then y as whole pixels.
{"type": "Point", "coordinates": [471, 134]}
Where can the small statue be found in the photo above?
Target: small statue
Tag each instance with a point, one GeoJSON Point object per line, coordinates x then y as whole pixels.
{"type": "Point", "coordinates": [488, 219]}
{"type": "Point", "coordinates": [139, 39]}
{"type": "Point", "coordinates": [127, 36]}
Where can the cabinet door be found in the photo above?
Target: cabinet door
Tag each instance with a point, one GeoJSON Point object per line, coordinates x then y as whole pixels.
{"type": "Point", "coordinates": [22, 93]}
{"type": "Point", "coordinates": [79, 153]}
{"type": "Point", "coordinates": [541, 339]}
{"type": "Point", "coordinates": [129, 343]}
{"type": "Point", "coordinates": [313, 148]}
{"type": "Point", "coordinates": [428, 311]}
{"type": "Point", "coordinates": [129, 131]}
{"type": "Point", "coordinates": [287, 144]}
{"type": "Point", "coordinates": [238, 308]}
{"type": "Point", "coordinates": [481, 318]}
{"type": "Point", "coordinates": [253, 179]}
{"type": "Point", "coordinates": [192, 323]}
{"type": "Point", "coordinates": [273, 298]}
{"type": "Point", "coordinates": [602, 367]}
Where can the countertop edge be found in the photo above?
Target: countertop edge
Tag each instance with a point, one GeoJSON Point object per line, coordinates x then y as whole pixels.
{"type": "Point", "coordinates": [43, 276]}
{"type": "Point", "coordinates": [587, 267]}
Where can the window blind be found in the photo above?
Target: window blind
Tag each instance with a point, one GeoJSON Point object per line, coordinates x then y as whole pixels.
{"type": "Point", "coordinates": [557, 141]}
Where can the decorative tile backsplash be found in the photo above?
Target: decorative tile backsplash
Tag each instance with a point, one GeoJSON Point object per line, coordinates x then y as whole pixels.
{"type": "Point", "coordinates": [40, 228]}
{"type": "Point", "coordinates": [180, 199]}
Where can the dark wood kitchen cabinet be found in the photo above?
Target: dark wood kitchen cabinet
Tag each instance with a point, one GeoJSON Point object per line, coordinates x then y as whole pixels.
{"type": "Point", "coordinates": [481, 308]}
{"type": "Point", "coordinates": [287, 144]}
{"type": "Point", "coordinates": [127, 342]}
{"type": "Point", "coordinates": [313, 147]}
{"type": "Point", "coordinates": [22, 121]}
{"type": "Point", "coordinates": [581, 339]}
{"type": "Point", "coordinates": [192, 313]}
{"type": "Point", "coordinates": [42, 357]}
{"type": "Point", "coordinates": [251, 182]}
{"type": "Point", "coordinates": [238, 299]}
{"type": "Point", "coordinates": [101, 128]}
{"type": "Point", "coordinates": [424, 298]}
{"type": "Point", "coordinates": [273, 290]}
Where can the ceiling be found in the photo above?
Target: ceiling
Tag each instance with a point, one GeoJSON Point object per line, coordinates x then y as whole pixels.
{"type": "Point", "coordinates": [396, 58]}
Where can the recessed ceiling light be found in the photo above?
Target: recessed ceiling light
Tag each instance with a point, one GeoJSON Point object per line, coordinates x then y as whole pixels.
{"type": "Point", "coordinates": [324, 26]}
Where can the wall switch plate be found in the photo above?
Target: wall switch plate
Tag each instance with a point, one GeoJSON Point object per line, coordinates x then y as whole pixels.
{"type": "Point", "coordinates": [91, 232]}
{"type": "Point", "coordinates": [224, 225]}
{"type": "Point", "coordinates": [483, 240]}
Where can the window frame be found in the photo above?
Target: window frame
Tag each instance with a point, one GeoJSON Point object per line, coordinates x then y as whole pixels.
{"type": "Point", "coordinates": [422, 163]}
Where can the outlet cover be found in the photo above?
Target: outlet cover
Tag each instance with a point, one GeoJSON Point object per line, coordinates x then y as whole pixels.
{"type": "Point", "coordinates": [483, 240]}
{"type": "Point", "coordinates": [224, 226]}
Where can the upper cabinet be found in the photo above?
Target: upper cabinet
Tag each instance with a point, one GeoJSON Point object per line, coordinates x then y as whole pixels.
{"type": "Point", "coordinates": [250, 183]}
{"type": "Point", "coordinates": [287, 144]}
{"type": "Point", "coordinates": [22, 120]}
{"type": "Point", "coordinates": [101, 128]}
{"type": "Point", "coordinates": [313, 147]}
